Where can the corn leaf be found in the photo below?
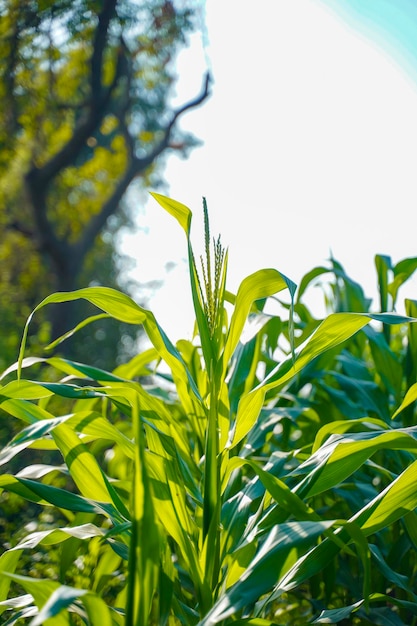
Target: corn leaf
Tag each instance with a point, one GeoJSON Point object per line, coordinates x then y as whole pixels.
{"type": "Point", "coordinates": [261, 284]}
{"type": "Point", "coordinates": [333, 331]}
{"type": "Point", "coordinates": [40, 590]}
{"type": "Point", "coordinates": [52, 611]}
{"type": "Point", "coordinates": [341, 455]}
{"type": "Point", "coordinates": [144, 548]}
{"type": "Point", "coordinates": [82, 464]}
{"type": "Point", "coordinates": [262, 572]}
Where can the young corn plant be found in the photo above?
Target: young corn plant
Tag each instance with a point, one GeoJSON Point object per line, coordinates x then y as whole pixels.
{"type": "Point", "coordinates": [238, 489]}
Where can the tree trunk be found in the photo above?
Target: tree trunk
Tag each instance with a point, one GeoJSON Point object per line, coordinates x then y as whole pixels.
{"type": "Point", "coordinates": [63, 317]}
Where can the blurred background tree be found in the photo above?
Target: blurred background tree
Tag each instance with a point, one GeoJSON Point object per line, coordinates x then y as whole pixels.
{"type": "Point", "coordinates": [85, 87]}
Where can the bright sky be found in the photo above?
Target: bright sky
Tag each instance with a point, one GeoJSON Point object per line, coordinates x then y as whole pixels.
{"type": "Point", "coordinates": [310, 146]}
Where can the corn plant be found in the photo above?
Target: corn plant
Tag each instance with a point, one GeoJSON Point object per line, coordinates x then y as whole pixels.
{"type": "Point", "coordinates": [257, 482]}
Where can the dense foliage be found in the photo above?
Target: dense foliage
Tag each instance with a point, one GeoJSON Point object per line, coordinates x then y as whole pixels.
{"type": "Point", "coordinates": [86, 90]}
{"type": "Point", "coordinates": [264, 473]}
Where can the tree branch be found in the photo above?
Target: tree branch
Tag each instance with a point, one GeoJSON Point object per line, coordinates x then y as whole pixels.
{"type": "Point", "coordinates": [145, 162]}
{"type": "Point", "coordinates": [18, 227]}
{"type": "Point", "coordinates": [121, 111]}
{"type": "Point", "coordinates": [136, 168]}
{"type": "Point", "coordinates": [98, 221]}
{"type": "Point", "coordinates": [99, 45]}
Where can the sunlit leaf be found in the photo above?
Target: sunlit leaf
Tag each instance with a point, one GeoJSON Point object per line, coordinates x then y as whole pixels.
{"type": "Point", "coordinates": [181, 213]}
{"type": "Point", "coordinates": [262, 572]}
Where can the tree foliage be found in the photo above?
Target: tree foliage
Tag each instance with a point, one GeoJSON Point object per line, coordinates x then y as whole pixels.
{"type": "Point", "coordinates": [85, 88]}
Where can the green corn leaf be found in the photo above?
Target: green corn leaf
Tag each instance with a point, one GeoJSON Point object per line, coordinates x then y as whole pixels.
{"type": "Point", "coordinates": [391, 504]}
{"type": "Point", "coordinates": [308, 278]}
{"type": "Point", "coordinates": [395, 501]}
{"type": "Point", "coordinates": [398, 580]}
{"type": "Point", "coordinates": [386, 360]}
{"type": "Point", "coordinates": [246, 358]}
{"type": "Point", "coordinates": [410, 523]}
{"type": "Point", "coordinates": [410, 397]}
{"type": "Point", "coordinates": [181, 213]}
{"type": "Point", "coordinates": [8, 563]}
{"type": "Point", "coordinates": [341, 455]}
{"type": "Point", "coordinates": [254, 621]}
{"type": "Point", "coordinates": [18, 603]}
{"type": "Point", "coordinates": [403, 271]}
{"type": "Point", "coordinates": [334, 616]}
{"type": "Point", "coordinates": [33, 390]}
{"type": "Point", "coordinates": [53, 599]}
{"type": "Point", "coordinates": [26, 411]}
{"type": "Point", "coordinates": [41, 590]}
{"type": "Point", "coordinates": [58, 535]}
{"type": "Point", "coordinates": [139, 365]}
{"type": "Point", "coordinates": [349, 295]}
{"type": "Point", "coordinates": [24, 390]}
{"type": "Point", "coordinates": [85, 371]}
{"type": "Point", "coordinates": [279, 491]}
{"type": "Point", "coordinates": [47, 494]}
{"type": "Point", "coordinates": [109, 563]}
{"type": "Point", "coordinates": [166, 437]}
{"type": "Point", "coordinates": [170, 497]}
{"type": "Point", "coordinates": [124, 309]}
{"type": "Point", "coordinates": [144, 548]}
{"type": "Point", "coordinates": [80, 326]}
{"type": "Point", "coordinates": [335, 329]}
{"type": "Point", "coordinates": [97, 427]}
{"type": "Point", "coordinates": [410, 369]}
{"type": "Point", "coordinates": [114, 303]}
{"type": "Point", "coordinates": [262, 572]}
{"type": "Point", "coordinates": [309, 564]}
{"type": "Point", "coordinates": [383, 266]}
{"type": "Point", "coordinates": [82, 464]}
{"type": "Point", "coordinates": [364, 554]}
{"type": "Point", "coordinates": [81, 370]}
{"type": "Point", "coordinates": [402, 604]}
{"type": "Point", "coordinates": [339, 427]}
{"type": "Point", "coordinates": [88, 422]}
{"type": "Point", "coordinates": [170, 505]}
{"type": "Point", "coordinates": [261, 284]}
{"type": "Point", "coordinates": [99, 614]}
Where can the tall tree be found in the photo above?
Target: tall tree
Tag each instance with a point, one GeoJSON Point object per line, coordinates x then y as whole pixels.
{"type": "Point", "coordinates": [85, 88]}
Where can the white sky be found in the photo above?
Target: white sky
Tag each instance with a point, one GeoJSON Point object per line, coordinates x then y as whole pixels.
{"type": "Point", "coordinates": [310, 145]}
